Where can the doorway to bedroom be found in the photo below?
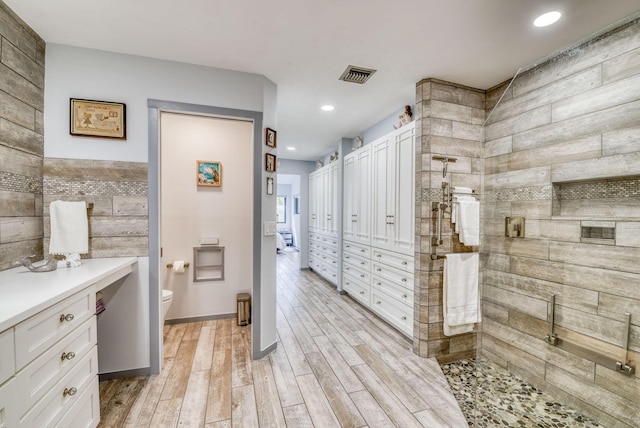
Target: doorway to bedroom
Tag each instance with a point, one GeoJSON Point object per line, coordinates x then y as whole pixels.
{"type": "Point", "coordinates": [288, 211]}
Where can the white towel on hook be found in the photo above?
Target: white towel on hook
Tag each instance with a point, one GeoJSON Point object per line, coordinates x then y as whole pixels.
{"type": "Point", "coordinates": [69, 228]}
{"type": "Point", "coordinates": [460, 296]}
{"type": "Point", "coordinates": [455, 209]}
{"type": "Point", "coordinates": [469, 222]}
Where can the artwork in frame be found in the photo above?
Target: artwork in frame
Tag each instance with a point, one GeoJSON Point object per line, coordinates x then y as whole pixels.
{"type": "Point", "coordinates": [209, 173]}
{"type": "Point", "coordinates": [269, 185]}
{"type": "Point", "coordinates": [270, 162]}
{"type": "Point", "coordinates": [99, 119]}
{"type": "Point", "coordinates": [270, 138]}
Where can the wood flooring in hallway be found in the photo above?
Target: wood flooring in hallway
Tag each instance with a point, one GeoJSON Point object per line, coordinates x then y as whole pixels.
{"type": "Point", "coordinates": [336, 364]}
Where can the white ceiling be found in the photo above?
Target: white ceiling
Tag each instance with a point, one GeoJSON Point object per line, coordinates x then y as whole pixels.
{"type": "Point", "coordinates": [304, 46]}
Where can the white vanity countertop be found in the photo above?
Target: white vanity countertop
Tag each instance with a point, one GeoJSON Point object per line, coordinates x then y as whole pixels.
{"type": "Point", "coordinates": [24, 293]}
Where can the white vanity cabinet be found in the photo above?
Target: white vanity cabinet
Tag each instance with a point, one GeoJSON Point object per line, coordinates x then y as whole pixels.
{"type": "Point", "coordinates": [48, 347]}
{"type": "Point", "coordinates": [324, 222]}
{"type": "Point", "coordinates": [379, 227]}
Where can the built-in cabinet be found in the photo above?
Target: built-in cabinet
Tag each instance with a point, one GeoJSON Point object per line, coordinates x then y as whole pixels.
{"type": "Point", "coordinates": [324, 222]}
{"type": "Point", "coordinates": [378, 226]}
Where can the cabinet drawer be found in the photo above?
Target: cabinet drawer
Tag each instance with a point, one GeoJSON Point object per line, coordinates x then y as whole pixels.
{"type": "Point", "coordinates": [353, 248]}
{"type": "Point", "coordinates": [7, 356]}
{"type": "Point", "coordinates": [50, 409]}
{"type": "Point", "coordinates": [330, 242]}
{"type": "Point", "coordinates": [40, 375]}
{"type": "Point", "coordinates": [330, 273]}
{"type": "Point", "coordinates": [398, 315]}
{"type": "Point", "coordinates": [394, 275]}
{"type": "Point", "coordinates": [332, 251]}
{"type": "Point", "coordinates": [8, 410]}
{"type": "Point", "coordinates": [357, 289]}
{"type": "Point", "coordinates": [356, 272]}
{"type": "Point", "coordinates": [398, 292]}
{"type": "Point", "coordinates": [396, 260]}
{"type": "Point", "coordinates": [86, 411]}
{"type": "Point", "coordinates": [314, 237]}
{"type": "Point", "coordinates": [357, 261]}
{"type": "Point", "coordinates": [330, 261]}
{"type": "Point", "coordinates": [41, 331]}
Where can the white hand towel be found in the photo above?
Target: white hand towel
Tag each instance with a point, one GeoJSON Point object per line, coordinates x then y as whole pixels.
{"type": "Point", "coordinates": [460, 297]}
{"type": "Point", "coordinates": [455, 209]}
{"type": "Point", "coordinates": [469, 222]}
{"type": "Point", "coordinates": [69, 228]}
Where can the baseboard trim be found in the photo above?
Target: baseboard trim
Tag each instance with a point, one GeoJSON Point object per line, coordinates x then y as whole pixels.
{"type": "Point", "coordinates": [266, 351]}
{"type": "Point", "coordinates": [198, 319]}
{"type": "Point", "coordinates": [145, 371]}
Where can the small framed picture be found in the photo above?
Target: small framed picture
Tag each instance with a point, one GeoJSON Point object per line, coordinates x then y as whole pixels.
{"type": "Point", "coordinates": [208, 173]}
{"type": "Point", "coordinates": [270, 162]}
{"type": "Point", "coordinates": [100, 119]}
{"type": "Point", "coordinates": [269, 185]}
{"type": "Point", "coordinates": [271, 138]}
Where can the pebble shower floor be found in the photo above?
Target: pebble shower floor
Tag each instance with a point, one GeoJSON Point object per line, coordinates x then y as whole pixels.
{"type": "Point", "coordinates": [492, 397]}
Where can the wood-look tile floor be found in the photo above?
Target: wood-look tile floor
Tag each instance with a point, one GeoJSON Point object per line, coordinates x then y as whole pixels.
{"type": "Point", "coordinates": [336, 364]}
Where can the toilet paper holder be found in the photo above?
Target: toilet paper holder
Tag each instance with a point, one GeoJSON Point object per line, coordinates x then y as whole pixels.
{"type": "Point", "coordinates": [170, 265]}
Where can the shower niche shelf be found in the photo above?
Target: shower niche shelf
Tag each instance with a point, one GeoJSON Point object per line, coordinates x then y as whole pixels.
{"type": "Point", "coordinates": [615, 198]}
{"type": "Point", "coordinates": [208, 263]}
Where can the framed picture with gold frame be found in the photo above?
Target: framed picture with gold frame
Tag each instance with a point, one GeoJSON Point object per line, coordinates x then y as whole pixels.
{"type": "Point", "coordinates": [98, 119]}
{"type": "Point", "coordinates": [208, 173]}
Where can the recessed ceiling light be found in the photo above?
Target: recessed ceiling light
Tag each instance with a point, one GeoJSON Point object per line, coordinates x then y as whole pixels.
{"type": "Point", "coordinates": [547, 19]}
{"type": "Point", "coordinates": [293, 149]}
{"type": "Point", "coordinates": [327, 107]}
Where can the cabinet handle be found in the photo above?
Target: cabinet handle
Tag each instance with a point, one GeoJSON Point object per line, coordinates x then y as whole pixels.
{"type": "Point", "coordinates": [378, 270]}
{"type": "Point", "coordinates": [69, 391]}
{"type": "Point", "coordinates": [404, 318]}
{"type": "Point", "coordinates": [404, 296]}
{"type": "Point", "coordinates": [361, 275]}
{"type": "Point", "coordinates": [347, 257]}
{"type": "Point", "coordinates": [68, 317]}
{"type": "Point", "coordinates": [404, 263]}
{"type": "Point", "coordinates": [362, 263]}
{"type": "Point", "coordinates": [67, 356]}
{"type": "Point", "coordinates": [362, 292]}
{"type": "Point", "coordinates": [404, 279]}
{"type": "Point", "coordinates": [378, 255]}
{"type": "Point", "coordinates": [379, 283]}
{"type": "Point", "coordinates": [378, 302]}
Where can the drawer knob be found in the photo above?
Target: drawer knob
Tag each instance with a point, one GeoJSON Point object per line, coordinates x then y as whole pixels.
{"type": "Point", "coordinates": [404, 279]}
{"type": "Point", "coordinates": [378, 302]}
{"type": "Point", "coordinates": [347, 257]}
{"type": "Point", "coordinates": [404, 263]}
{"type": "Point", "coordinates": [379, 270]}
{"type": "Point", "coordinates": [362, 251]}
{"type": "Point", "coordinates": [362, 263]}
{"type": "Point", "coordinates": [67, 356]}
{"type": "Point", "coordinates": [404, 318]}
{"type": "Point", "coordinates": [361, 275]}
{"type": "Point", "coordinates": [379, 283]}
{"type": "Point", "coordinates": [68, 317]}
{"type": "Point", "coordinates": [69, 391]}
{"type": "Point", "coordinates": [404, 296]}
{"type": "Point", "coordinates": [379, 255]}
{"type": "Point", "coordinates": [362, 292]}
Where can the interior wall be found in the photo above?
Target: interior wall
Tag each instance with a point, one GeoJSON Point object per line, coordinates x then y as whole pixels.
{"type": "Point", "coordinates": [449, 119]}
{"type": "Point", "coordinates": [189, 212]}
{"type": "Point", "coordinates": [22, 54]}
{"type": "Point", "coordinates": [573, 124]}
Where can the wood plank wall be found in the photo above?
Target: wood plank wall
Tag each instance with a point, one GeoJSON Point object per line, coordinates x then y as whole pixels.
{"type": "Point", "coordinates": [573, 124]}
{"type": "Point", "coordinates": [119, 219]}
{"type": "Point", "coordinates": [449, 123]}
{"type": "Point", "coordinates": [21, 138]}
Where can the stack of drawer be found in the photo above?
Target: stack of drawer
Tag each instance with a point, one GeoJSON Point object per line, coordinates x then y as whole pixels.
{"type": "Point", "coordinates": [381, 280]}
{"type": "Point", "coordinates": [392, 288]}
{"type": "Point", "coordinates": [356, 271]}
{"type": "Point", "coordinates": [323, 256]}
{"type": "Point", "coordinates": [49, 367]}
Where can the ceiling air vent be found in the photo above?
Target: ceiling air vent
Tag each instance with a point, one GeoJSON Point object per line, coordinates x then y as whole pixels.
{"type": "Point", "coordinates": [355, 74]}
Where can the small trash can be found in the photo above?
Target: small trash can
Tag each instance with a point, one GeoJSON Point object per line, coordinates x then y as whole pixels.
{"type": "Point", "coordinates": [244, 308]}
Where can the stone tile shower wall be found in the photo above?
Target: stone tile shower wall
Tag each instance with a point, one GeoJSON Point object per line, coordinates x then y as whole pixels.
{"type": "Point", "coordinates": [119, 219]}
{"type": "Point", "coordinates": [21, 138]}
{"type": "Point", "coordinates": [449, 123]}
{"type": "Point", "coordinates": [563, 150]}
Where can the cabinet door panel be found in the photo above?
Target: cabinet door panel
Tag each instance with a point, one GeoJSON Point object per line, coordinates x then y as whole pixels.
{"type": "Point", "coordinates": [349, 222]}
{"type": "Point", "coordinates": [404, 193]}
{"type": "Point", "coordinates": [363, 196]}
{"type": "Point", "coordinates": [380, 192]}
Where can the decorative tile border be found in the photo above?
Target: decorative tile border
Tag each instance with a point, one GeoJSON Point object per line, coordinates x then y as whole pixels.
{"type": "Point", "coordinates": [602, 189]}
{"type": "Point", "coordinates": [99, 188]}
{"type": "Point", "coordinates": [535, 193]}
{"type": "Point", "coordinates": [20, 183]}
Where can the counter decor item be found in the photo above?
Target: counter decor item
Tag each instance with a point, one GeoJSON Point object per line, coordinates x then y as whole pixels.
{"type": "Point", "coordinates": [270, 138]}
{"type": "Point", "coordinates": [99, 119]}
{"type": "Point", "coordinates": [209, 173]}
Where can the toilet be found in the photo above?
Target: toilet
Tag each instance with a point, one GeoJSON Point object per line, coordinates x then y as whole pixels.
{"type": "Point", "coordinates": [167, 297]}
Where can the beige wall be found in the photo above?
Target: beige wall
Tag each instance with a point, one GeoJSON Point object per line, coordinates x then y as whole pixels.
{"type": "Point", "coordinates": [21, 138]}
{"type": "Point", "coordinates": [563, 150]}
